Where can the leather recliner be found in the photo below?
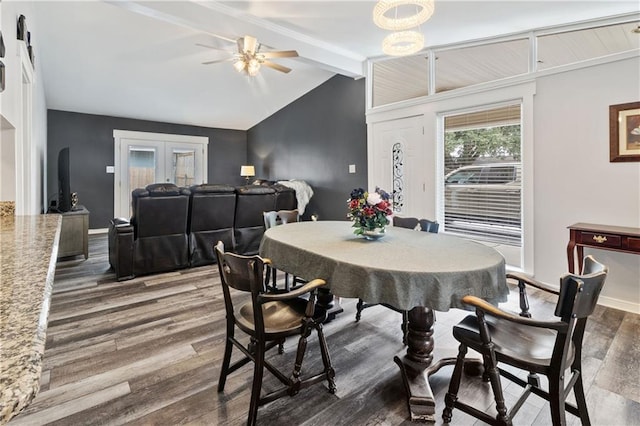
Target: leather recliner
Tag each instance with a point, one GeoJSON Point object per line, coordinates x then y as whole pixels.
{"type": "Point", "coordinates": [155, 240]}
{"type": "Point", "coordinates": [285, 197]}
{"type": "Point", "coordinates": [251, 202]}
{"type": "Point", "coordinates": [211, 214]}
{"type": "Point", "coordinates": [173, 228]}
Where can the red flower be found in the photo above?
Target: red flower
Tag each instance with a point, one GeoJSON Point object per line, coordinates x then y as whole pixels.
{"type": "Point", "coordinates": [382, 205]}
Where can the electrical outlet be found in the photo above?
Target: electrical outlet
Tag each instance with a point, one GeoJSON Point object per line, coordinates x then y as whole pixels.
{"type": "Point", "coordinates": [111, 169]}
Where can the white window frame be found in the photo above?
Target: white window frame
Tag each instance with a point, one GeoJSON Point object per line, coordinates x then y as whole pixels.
{"type": "Point", "coordinates": [523, 94]}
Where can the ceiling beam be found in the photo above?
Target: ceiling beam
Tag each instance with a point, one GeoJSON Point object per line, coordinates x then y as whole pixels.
{"type": "Point", "coordinates": [228, 24]}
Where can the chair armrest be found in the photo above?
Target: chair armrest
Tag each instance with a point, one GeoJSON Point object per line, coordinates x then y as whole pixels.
{"type": "Point", "coordinates": [120, 225]}
{"type": "Point", "coordinates": [522, 278]}
{"type": "Point", "coordinates": [307, 288]}
{"type": "Point", "coordinates": [121, 248]}
{"type": "Point", "coordinates": [483, 307]}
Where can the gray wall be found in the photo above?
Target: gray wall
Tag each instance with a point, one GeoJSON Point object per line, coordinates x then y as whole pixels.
{"type": "Point", "coordinates": [90, 141]}
{"type": "Point", "coordinates": [315, 139]}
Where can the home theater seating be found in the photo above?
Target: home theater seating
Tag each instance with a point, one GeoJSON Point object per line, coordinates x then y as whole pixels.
{"type": "Point", "coordinates": [173, 228]}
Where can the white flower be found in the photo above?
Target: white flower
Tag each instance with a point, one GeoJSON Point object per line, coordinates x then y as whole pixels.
{"type": "Point", "coordinates": [373, 198]}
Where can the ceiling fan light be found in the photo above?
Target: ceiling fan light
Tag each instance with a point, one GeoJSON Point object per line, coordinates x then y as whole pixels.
{"type": "Point", "coordinates": [424, 10]}
{"type": "Point", "coordinates": [253, 67]}
{"type": "Point", "coordinates": [239, 65]}
{"type": "Point", "coordinates": [403, 43]}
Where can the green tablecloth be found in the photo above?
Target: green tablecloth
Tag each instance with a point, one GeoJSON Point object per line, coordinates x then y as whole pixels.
{"type": "Point", "coordinates": [405, 269]}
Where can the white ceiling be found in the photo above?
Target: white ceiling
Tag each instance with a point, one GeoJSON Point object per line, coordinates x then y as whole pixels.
{"type": "Point", "coordinates": [140, 59]}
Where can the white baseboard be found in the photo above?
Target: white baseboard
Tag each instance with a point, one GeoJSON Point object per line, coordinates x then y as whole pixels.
{"type": "Point", "coordinates": [98, 231]}
{"type": "Point", "coordinates": [619, 304]}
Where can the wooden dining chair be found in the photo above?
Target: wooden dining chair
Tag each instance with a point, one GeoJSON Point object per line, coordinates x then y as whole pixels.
{"type": "Point", "coordinates": [269, 319]}
{"type": "Point", "coordinates": [409, 223]}
{"type": "Point", "coordinates": [551, 348]}
{"type": "Point", "coordinates": [275, 218]}
{"type": "Point", "coordinates": [427, 225]}
{"type": "Point", "coordinates": [405, 222]}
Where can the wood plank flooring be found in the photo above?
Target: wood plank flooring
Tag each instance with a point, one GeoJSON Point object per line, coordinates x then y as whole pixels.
{"type": "Point", "coordinates": [148, 352]}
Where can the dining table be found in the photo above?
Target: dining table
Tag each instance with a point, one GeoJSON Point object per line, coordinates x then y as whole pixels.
{"type": "Point", "coordinates": [419, 272]}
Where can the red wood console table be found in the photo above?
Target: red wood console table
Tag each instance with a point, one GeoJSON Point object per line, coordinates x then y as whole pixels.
{"type": "Point", "coordinates": [605, 237]}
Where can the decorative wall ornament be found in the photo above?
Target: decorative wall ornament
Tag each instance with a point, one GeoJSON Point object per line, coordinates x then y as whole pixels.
{"type": "Point", "coordinates": [398, 177]}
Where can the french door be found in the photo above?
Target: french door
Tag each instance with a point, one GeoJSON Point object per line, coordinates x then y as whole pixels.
{"type": "Point", "coordinates": [145, 158]}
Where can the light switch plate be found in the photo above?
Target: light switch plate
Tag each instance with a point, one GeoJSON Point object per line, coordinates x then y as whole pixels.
{"type": "Point", "coordinates": [352, 168]}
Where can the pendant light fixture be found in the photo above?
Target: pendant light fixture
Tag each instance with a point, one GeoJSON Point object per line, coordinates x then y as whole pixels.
{"type": "Point", "coordinates": [407, 14]}
{"type": "Point", "coordinates": [423, 11]}
{"type": "Point", "coordinates": [403, 43]}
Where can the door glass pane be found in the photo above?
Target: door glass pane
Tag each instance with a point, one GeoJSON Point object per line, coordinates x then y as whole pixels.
{"type": "Point", "coordinates": [183, 167]}
{"type": "Point", "coordinates": [142, 167]}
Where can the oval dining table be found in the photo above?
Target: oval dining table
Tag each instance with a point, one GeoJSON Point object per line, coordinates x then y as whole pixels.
{"type": "Point", "coordinates": [410, 270]}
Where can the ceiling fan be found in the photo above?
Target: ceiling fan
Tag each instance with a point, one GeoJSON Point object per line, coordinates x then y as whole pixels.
{"type": "Point", "coordinates": [249, 58]}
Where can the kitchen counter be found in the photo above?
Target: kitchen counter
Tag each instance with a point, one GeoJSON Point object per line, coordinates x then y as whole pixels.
{"type": "Point", "coordinates": [28, 252]}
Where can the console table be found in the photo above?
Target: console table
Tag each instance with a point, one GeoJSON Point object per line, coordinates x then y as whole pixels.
{"type": "Point", "coordinates": [605, 237]}
{"type": "Point", "coordinates": [74, 236]}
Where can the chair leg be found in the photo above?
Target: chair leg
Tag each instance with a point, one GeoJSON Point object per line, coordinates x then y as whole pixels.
{"type": "Point", "coordinates": [286, 282]}
{"type": "Point", "coordinates": [271, 278]}
{"type": "Point", "coordinates": [294, 387]}
{"type": "Point", "coordinates": [359, 309]}
{"type": "Point", "coordinates": [226, 360]}
{"type": "Point", "coordinates": [494, 377]}
{"type": "Point", "coordinates": [454, 385]}
{"type": "Point", "coordinates": [578, 390]}
{"type": "Point", "coordinates": [556, 401]}
{"type": "Point", "coordinates": [258, 371]}
{"type": "Point", "coordinates": [326, 359]}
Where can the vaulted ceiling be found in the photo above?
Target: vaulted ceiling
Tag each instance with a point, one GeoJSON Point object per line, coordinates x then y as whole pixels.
{"type": "Point", "coordinates": [143, 59]}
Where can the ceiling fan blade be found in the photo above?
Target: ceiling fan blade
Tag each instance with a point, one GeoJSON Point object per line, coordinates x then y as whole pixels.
{"type": "Point", "coordinates": [250, 45]}
{"type": "Point", "coordinates": [280, 54]}
{"type": "Point", "coordinates": [217, 61]}
{"type": "Point", "coordinates": [276, 67]}
{"type": "Point", "coordinates": [207, 46]}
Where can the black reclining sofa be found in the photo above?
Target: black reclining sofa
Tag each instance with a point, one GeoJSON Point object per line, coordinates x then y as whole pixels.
{"type": "Point", "coordinates": [173, 228]}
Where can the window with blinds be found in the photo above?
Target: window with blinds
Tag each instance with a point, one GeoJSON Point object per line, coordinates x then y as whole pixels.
{"type": "Point", "coordinates": [483, 175]}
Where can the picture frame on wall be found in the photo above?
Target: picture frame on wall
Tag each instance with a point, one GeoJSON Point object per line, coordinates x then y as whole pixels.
{"type": "Point", "coordinates": [624, 132]}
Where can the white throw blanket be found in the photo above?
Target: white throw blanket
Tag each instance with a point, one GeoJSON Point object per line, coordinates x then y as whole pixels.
{"type": "Point", "coordinates": [303, 192]}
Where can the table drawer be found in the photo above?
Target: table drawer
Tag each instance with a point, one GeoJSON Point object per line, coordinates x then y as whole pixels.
{"type": "Point", "coordinates": [604, 240]}
{"type": "Point", "coordinates": [633, 243]}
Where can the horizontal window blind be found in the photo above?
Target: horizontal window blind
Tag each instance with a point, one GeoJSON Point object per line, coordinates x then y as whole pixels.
{"type": "Point", "coordinates": [483, 175]}
{"type": "Point", "coordinates": [484, 202]}
{"type": "Point", "coordinates": [505, 116]}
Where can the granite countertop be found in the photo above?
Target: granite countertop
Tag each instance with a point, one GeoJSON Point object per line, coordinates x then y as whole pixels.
{"type": "Point", "coordinates": [28, 252]}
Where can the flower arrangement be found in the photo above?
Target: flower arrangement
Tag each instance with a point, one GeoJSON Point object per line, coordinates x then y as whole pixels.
{"type": "Point", "coordinates": [369, 210]}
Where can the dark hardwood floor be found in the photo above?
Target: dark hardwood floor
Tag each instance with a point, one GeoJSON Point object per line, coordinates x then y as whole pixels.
{"type": "Point", "coordinates": [148, 352]}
